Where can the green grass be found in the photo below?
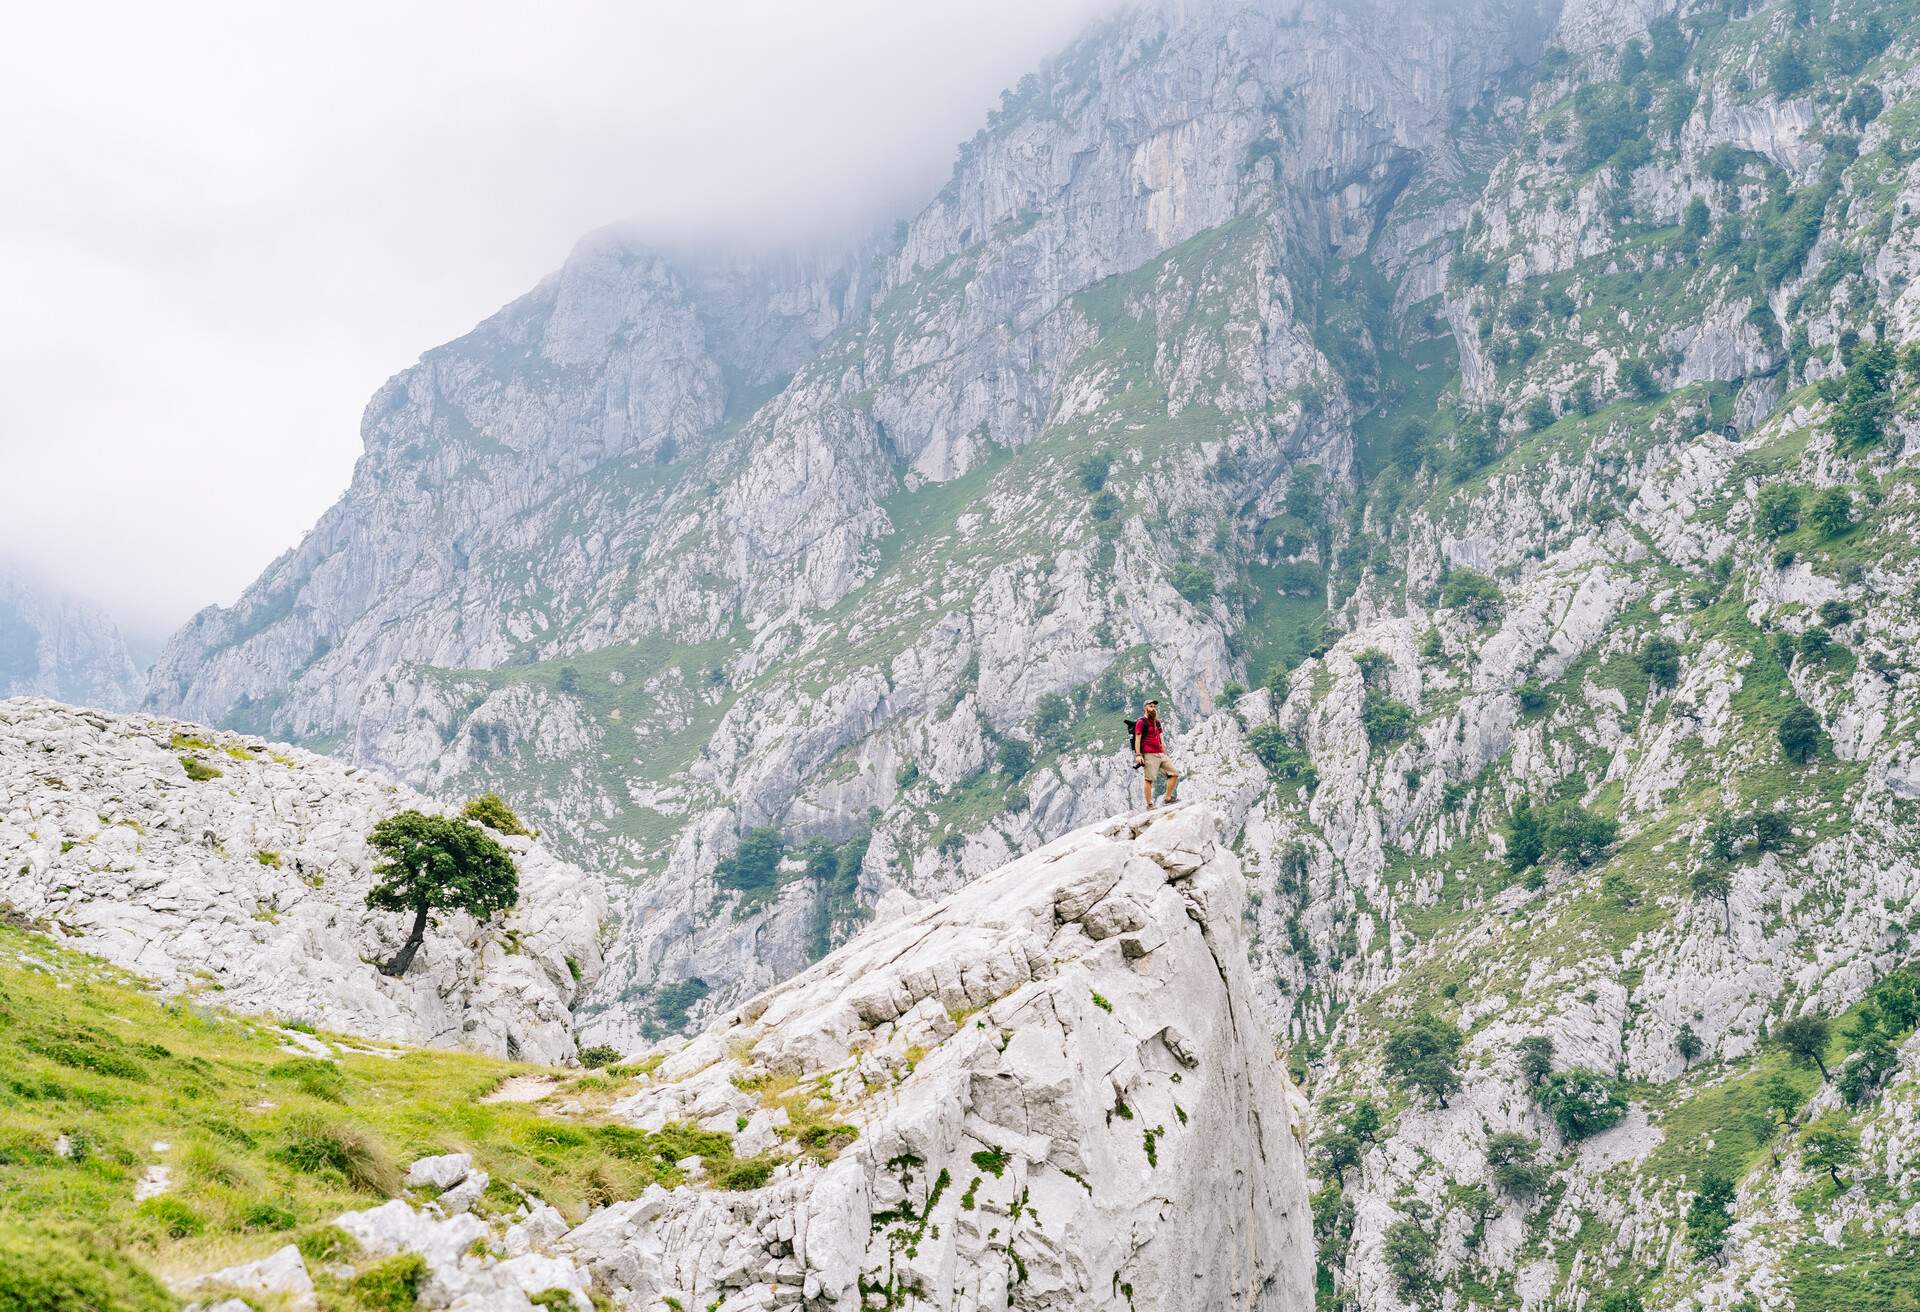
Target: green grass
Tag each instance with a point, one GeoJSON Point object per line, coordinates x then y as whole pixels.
{"type": "Point", "coordinates": [261, 1145]}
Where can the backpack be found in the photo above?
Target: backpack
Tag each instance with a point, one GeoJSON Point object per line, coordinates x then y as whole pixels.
{"type": "Point", "coordinates": [1133, 727]}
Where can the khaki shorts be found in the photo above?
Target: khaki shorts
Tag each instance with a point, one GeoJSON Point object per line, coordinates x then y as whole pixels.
{"type": "Point", "coordinates": [1155, 762]}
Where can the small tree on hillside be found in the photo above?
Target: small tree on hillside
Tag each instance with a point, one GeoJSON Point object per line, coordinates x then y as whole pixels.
{"type": "Point", "coordinates": [1800, 733]}
{"type": "Point", "coordinates": [1513, 1161]}
{"type": "Point", "coordinates": [1829, 1144]}
{"type": "Point", "coordinates": [437, 864]}
{"type": "Point", "coordinates": [1805, 1039]}
{"type": "Point", "coordinates": [491, 810]}
{"type": "Point", "coordinates": [1421, 1055]}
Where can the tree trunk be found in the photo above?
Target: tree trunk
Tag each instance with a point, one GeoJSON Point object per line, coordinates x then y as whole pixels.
{"type": "Point", "coordinates": [1726, 913]}
{"type": "Point", "coordinates": [1825, 1074]}
{"type": "Point", "coordinates": [404, 957]}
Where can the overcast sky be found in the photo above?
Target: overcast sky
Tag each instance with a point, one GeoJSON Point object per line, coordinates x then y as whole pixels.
{"type": "Point", "coordinates": [223, 225]}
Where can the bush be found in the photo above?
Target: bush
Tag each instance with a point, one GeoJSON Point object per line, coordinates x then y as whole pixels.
{"type": "Point", "coordinates": [313, 1077]}
{"type": "Point", "coordinates": [71, 1271]}
{"type": "Point", "coordinates": [599, 1055]}
{"type": "Point", "coordinates": [1194, 582]}
{"type": "Point", "coordinates": [175, 1219]}
{"type": "Point", "coordinates": [1014, 758]}
{"type": "Point", "coordinates": [1051, 715]}
{"type": "Point", "coordinates": [1772, 830]}
{"type": "Point", "coordinates": [1832, 512]}
{"type": "Point", "coordinates": [1660, 658]}
{"type": "Point", "coordinates": [1582, 1102]}
{"type": "Point", "coordinates": [268, 1216]}
{"type": "Point", "coordinates": [491, 810]}
{"type": "Point", "coordinates": [315, 1146]}
{"type": "Point", "coordinates": [747, 1174]}
{"type": "Point", "coordinates": [1283, 758]}
{"type": "Point", "coordinates": [1526, 843]}
{"type": "Point", "coordinates": [392, 1285]}
{"type": "Point", "coordinates": [198, 770]}
{"type": "Point", "coordinates": [1473, 593]}
{"type": "Point", "coordinates": [1104, 507]}
{"type": "Point", "coordinates": [1532, 697]}
{"type": "Point", "coordinates": [1695, 222]}
{"type": "Point", "coordinates": [1788, 73]}
{"type": "Point", "coordinates": [754, 866]}
{"type": "Point", "coordinates": [1637, 380]}
{"type": "Point", "coordinates": [1710, 1216]}
{"type": "Point", "coordinates": [1093, 470]}
{"type": "Point", "coordinates": [1777, 512]}
{"type": "Point", "coordinates": [1800, 734]}
{"type": "Point", "coordinates": [1385, 719]}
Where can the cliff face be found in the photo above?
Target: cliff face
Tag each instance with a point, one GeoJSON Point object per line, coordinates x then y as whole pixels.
{"type": "Point", "coordinates": [1519, 402]}
{"type": "Point", "coordinates": [57, 646]}
{"type": "Point", "coordinates": [250, 885]}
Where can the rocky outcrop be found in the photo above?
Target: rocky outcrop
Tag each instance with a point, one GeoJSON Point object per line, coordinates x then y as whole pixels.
{"type": "Point", "coordinates": [1050, 1090]}
{"type": "Point", "coordinates": [250, 883]}
{"type": "Point", "coordinates": [52, 645]}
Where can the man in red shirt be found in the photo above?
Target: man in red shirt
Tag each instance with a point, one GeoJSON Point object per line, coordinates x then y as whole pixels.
{"type": "Point", "coordinates": [1151, 754]}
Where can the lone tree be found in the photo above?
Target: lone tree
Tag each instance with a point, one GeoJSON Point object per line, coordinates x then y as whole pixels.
{"type": "Point", "coordinates": [1805, 1039]}
{"type": "Point", "coordinates": [1829, 1144]}
{"type": "Point", "coordinates": [437, 864]}
{"type": "Point", "coordinates": [1421, 1055]}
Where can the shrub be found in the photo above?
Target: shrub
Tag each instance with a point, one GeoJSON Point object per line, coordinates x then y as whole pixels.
{"type": "Point", "coordinates": [1787, 72]}
{"type": "Point", "coordinates": [392, 1285]}
{"type": "Point", "coordinates": [1104, 507]}
{"type": "Point", "coordinates": [1051, 715]}
{"type": "Point", "coordinates": [1582, 1102]}
{"type": "Point", "coordinates": [1535, 1054]}
{"type": "Point", "coordinates": [315, 1146]}
{"type": "Point", "coordinates": [1421, 1055]}
{"type": "Point", "coordinates": [72, 1271]}
{"type": "Point", "coordinates": [599, 1055]}
{"type": "Point", "coordinates": [327, 1243]}
{"type": "Point", "coordinates": [1193, 582]}
{"type": "Point", "coordinates": [1526, 843]}
{"type": "Point", "coordinates": [175, 1219]}
{"type": "Point", "coordinates": [1473, 593]}
{"type": "Point", "coordinates": [198, 770]}
{"type": "Point", "coordinates": [1695, 222]}
{"type": "Point", "coordinates": [1532, 697]}
{"type": "Point", "coordinates": [1687, 1044]}
{"type": "Point", "coordinates": [1283, 758]}
{"type": "Point", "coordinates": [1385, 719]}
{"type": "Point", "coordinates": [1093, 470]}
{"type": "Point", "coordinates": [1637, 380]}
{"type": "Point", "coordinates": [754, 866]}
{"type": "Point", "coordinates": [1660, 658]}
{"type": "Point", "coordinates": [491, 810]}
{"type": "Point", "coordinates": [1800, 733]}
{"type": "Point", "coordinates": [747, 1174]}
{"type": "Point", "coordinates": [1014, 758]}
{"type": "Point", "coordinates": [313, 1077]}
{"type": "Point", "coordinates": [1772, 830]}
{"type": "Point", "coordinates": [1831, 512]}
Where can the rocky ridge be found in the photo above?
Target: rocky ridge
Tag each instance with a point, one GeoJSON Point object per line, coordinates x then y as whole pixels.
{"type": "Point", "coordinates": [248, 884]}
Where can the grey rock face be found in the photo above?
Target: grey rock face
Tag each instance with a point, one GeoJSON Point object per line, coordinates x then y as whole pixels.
{"type": "Point", "coordinates": [252, 884]}
{"type": "Point", "coordinates": [53, 645]}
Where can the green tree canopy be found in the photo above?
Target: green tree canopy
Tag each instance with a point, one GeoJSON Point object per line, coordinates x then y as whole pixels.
{"type": "Point", "coordinates": [1421, 1055]}
{"type": "Point", "coordinates": [432, 863]}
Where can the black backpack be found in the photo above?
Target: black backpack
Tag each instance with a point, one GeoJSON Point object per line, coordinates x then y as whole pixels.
{"type": "Point", "coordinates": [1133, 727]}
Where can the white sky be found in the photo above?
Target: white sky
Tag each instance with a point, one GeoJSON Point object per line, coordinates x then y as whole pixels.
{"type": "Point", "coordinates": [223, 225]}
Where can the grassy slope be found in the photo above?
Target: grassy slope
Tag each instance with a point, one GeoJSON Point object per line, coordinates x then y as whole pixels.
{"type": "Point", "coordinates": [262, 1145]}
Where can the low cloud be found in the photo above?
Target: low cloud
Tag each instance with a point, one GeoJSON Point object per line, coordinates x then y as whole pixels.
{"type": "Point", "coordinates": [225, 224]}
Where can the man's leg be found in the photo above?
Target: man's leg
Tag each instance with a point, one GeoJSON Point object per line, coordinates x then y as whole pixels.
{"type": "Point", "coordinates": [1147, 773]}
{"type": "Point", "coordinates": [1173, 779]}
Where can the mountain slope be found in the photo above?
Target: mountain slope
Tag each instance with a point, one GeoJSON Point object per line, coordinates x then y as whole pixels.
{"type": "Point", "coordinates": [53, 645]}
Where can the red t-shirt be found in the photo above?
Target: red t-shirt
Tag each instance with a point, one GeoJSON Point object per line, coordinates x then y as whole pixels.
{"type": "Point", "coordinates": [1149, 736]}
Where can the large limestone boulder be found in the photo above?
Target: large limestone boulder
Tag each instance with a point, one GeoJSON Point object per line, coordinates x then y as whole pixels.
{"type": "Point", "coordinates": [1051, 1090]}
{"type": "Point", "coordinates": [251, 884]}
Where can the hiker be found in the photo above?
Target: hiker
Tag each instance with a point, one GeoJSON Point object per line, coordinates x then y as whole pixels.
{"type": "Point", "coordinates": [1150, 754]}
